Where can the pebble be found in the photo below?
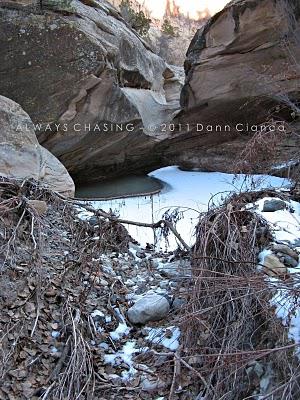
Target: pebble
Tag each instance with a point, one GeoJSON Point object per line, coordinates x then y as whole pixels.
{"type": "Point", "coordinates": [274, 205]}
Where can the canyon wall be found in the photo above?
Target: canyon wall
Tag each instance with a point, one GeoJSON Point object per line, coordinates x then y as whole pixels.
{"type": "Point", "coordinates": [105, 104]}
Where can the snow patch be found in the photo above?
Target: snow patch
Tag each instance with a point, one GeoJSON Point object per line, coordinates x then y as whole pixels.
{"type": "Point", "coordinates": [285, 226]}
{"type": "Point", "coordinates": [125, 355]}
{"type": "Point", "coordinates": [285, 223]}
{"type": "Point", "coordinates": [122, 329]}
{"type": "Point", "coordinates": [167, 337]}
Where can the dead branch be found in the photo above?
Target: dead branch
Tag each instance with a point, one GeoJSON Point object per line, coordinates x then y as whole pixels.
{"type": "Point", "coordinates": [112, 218]}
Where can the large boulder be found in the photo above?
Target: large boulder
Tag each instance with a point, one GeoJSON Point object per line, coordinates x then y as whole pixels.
{"type": "Point", "coordinates": [242, 67]}
{"type": "Point", "coordinates": [243, 60]}
{"type": "Point", "coordinates": [93, 88]}
{"type": "Point", "coordinates": [21, 155]}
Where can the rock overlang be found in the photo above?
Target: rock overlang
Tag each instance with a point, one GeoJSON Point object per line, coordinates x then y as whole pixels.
{"type": "Point", "coordinates": [239, 63]}
{"type": "Point", "coordinates": [21, 155]}
{"type": "Point", "coordinates": [76, 66]}
{"type": "Point", "coordinates": [242, 67]}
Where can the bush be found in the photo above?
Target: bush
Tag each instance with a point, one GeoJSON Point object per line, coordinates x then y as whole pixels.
{"type": "Point", "coordinates": [167, 28]}
{"type": "Point", "coordinates": [137, 20]}
{"type": "Point", "coordinates": [64, 5]}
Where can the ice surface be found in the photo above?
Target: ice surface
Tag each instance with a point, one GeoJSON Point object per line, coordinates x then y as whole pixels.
{"type": "Point", "coordinates": [190, 191]}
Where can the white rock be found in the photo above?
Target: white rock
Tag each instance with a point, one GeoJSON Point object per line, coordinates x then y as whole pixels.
{"type": "Point", "coordinates": [149, 308]}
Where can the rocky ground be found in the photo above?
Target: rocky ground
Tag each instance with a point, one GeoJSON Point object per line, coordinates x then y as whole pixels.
{"type": "Point", "coordinates": [87, 313]}
{"type": "Point", "coordinates": [66, 288]}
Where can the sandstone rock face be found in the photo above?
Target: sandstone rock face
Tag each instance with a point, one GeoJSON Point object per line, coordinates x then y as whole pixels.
{"type": "Point", "coordinates": [74, 67]}
{"type": "Point", "coordinates": [241, 65]}
{"type": "Point", "coordinates": [104, 104]}
{"type": "Point", "coordinates": [239, 61]}
{"type": "Point", "coordinates": [22, 157]}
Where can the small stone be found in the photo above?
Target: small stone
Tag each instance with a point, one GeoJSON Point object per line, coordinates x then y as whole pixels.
{"type": "Point", "coordinates": [164, 284]}
{"type": "Point", "coordinates": [274, 205]}
{"type": "Point", "coordinates": [178, 303]}
{"type": "Point", "coordinates": [94, 221]}
{"type": "Point", "coordinates": [140, 254]}
{"type": "Point", "coordinates": [149, 308]}
{"type": "Point", "coordinates": [175, 269]}
{"type": "Point", "coordinates": [150, 385]}
{"type": "Point", "coordinates": [130, 283]}
{"type": "Point", "coordinates": [39, 206]}
{"type": "Point", "coordinates": [283, 248]}
{"type": "Point", "coordinates": [290, 261]}
{"type": "Point", "coordinates": [273, 267]}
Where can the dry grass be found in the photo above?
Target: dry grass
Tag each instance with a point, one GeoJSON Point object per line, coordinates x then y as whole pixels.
{"type": "Point", "coordinates": [229, 323]}
{"type": "Point", "coordinates": [45, 260]}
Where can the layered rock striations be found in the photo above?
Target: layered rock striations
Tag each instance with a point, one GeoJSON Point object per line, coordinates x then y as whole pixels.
{"type": "Point", "coordinates": [242, 69]}
{"type": "Point", "coordinates": [79, 70]}
{"type": "Point", "coordinates": [106, 105]}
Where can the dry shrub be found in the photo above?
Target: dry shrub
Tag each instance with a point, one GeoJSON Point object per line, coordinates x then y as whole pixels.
{"type": "Point", "coordinates": [46, 262]}
{"type": "Point", "coordinates": [229, 322]}
{"type": "Point", "coordinates": [261, 150]}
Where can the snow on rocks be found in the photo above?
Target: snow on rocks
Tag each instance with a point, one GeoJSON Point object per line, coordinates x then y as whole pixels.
{"type": "Point", "coordinates": [282, 259]}
{"type": "Point", "coordinates": [125, 356]}
{"type": "Point", "coordinates": [283, 302]}
{"type": "Point", "coordinates": [135, 283]}
{"type": "Point", "coordinates": [167, 337]}
{"type": "Point", "coordinates": [122, 329]}
{"type": "Point", "coordinates": [149, 308]}
{"type": "Point", "coordinates": [285, 223]}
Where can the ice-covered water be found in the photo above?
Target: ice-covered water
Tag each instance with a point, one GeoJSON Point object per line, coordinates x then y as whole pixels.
{"type": "Point", "coordinates": [191, 192]}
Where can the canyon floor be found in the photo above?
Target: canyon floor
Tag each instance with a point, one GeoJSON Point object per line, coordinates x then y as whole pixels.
{"type": "Point", "coordinates": [89, 313]}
